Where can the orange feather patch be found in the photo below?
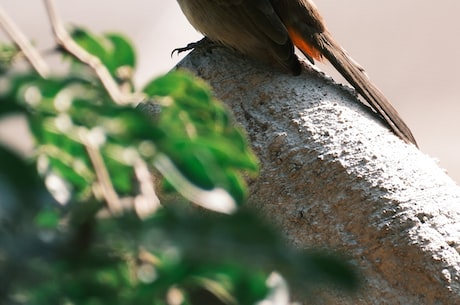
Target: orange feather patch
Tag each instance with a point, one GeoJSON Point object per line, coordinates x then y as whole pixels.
{"type": "Point", "coordinates": [303, 45]}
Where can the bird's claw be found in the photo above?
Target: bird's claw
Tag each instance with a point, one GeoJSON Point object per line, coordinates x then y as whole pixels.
{"type": "Point", "coordinates": [189, 47]}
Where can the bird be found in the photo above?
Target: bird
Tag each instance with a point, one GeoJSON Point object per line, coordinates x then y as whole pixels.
{"type": "Point", "coordinates": [270, 30]}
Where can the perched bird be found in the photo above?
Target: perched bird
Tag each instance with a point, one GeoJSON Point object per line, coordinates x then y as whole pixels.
{"type": "Point", "coordinates": [269, 29]}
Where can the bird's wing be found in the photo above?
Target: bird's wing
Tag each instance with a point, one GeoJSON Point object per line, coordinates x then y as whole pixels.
{"type": "Point", "coordinates": [262, 20]}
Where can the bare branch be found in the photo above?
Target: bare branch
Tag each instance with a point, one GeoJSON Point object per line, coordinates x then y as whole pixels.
{"type": "Point", "coordinates": [216, 199]}
{"type": "Point", "coordinates": [103, 177]}
{"type": "Point", "coordinates": [23, 43]}
{"type": "Point", "coordinates": [147, 202]}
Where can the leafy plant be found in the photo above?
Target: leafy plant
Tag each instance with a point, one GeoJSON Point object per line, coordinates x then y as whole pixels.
{"type": "Point", "coordinates": [91, 242]}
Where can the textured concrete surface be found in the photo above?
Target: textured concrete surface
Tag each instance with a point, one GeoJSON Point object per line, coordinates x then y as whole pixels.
{"type": "Point", "coordinates": [333, 176]}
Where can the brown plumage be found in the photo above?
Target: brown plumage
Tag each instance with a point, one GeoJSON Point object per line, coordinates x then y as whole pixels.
{"type": "Point", "coordinates": [269, 29]}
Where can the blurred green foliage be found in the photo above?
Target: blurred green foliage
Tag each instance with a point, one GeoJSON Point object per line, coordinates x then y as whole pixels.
{"type": "Point", "coordinates": [61, 249]}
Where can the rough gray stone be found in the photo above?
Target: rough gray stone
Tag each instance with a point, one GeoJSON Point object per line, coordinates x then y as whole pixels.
{"type": "Point", "coordinates": [334, 176]}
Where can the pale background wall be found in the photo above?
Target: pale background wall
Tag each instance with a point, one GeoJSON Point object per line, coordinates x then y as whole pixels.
{"type": "Point", "coordinates": [410, 48]}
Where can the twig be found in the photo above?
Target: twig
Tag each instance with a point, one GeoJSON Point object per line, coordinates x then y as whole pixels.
{"type": "Point", "coordinates": [147, 202]}
{"type": "Point", "coordinates": [64, 39]}
{"type": "Point", "coordinates": [23, 43]}
{"type": "Point", "coordinates": [216, 199]}
{"type": "Point", "coordinates": [103, 177]}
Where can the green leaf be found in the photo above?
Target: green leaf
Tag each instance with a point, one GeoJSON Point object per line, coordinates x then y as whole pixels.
{"type": "Point", "coordinates": [47, 219]}
{"type": "Point", "coordinates": [91, 43]}
{"type": "Point", "coordinates": [63, 111]}
{"type": "Point", "coordinates": [114, 50]}
{"type": "Point", "coordinates": [7, 54]}
{"type": "Point", "coordinates": [199, 134]}
{"type": "Point", "coordinates": [122, 50]}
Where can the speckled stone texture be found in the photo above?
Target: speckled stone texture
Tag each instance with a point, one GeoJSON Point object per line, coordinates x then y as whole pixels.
{"type": "Point", "coordinates": [334, 176]}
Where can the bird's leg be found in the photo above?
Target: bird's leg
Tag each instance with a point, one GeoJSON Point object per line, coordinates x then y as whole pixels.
{"type": "Point", "coordinates": [205, 40]}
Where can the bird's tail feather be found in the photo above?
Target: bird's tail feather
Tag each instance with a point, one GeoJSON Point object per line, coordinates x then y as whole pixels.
{"type": "Point", "coordinates": [356, 76]}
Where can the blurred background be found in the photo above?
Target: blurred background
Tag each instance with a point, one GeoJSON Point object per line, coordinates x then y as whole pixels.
{"type": "Point", "coordinates": [409, 48]}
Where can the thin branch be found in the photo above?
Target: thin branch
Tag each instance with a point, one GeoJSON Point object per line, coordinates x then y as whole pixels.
{"type": "Point", "coordinates": [64, 39]}
{"type": "Point", "coordinates": [216, 199]}
{"type": "Point", "coordinates": [147, 202]}
{"type": "Point", "coordinates": [23, 43]}
{"type": "Point", "coordinates": [103, 177]}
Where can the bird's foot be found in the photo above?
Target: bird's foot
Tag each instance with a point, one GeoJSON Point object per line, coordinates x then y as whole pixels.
{"type": "Point", "coordinates": [191, 46]}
